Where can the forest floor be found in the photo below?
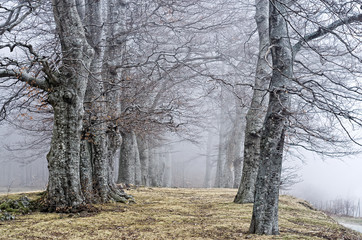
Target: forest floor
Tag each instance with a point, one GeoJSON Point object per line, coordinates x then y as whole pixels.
{"type": "Point", "coordinates": [174, 213]}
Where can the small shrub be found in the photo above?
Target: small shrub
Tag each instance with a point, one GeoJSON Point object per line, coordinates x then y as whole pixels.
{"type": "Point", "coordinates": [9, 208]}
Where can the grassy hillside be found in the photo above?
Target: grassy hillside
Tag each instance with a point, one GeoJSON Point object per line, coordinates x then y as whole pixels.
{"type": "Point", "coordinates": [165, 213]}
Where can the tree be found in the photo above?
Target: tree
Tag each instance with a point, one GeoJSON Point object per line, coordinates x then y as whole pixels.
{"type": "Point", "coordinates": [256, 113]}
{"type": "Point", "coordinates": [66, 90]}
{"type": "Point", "coordinates": [101, 138]}
{"type": "Point", "coordinates": [13, 13]}
{"type": "Point", "coordinates": [265, 211]}
{"type": "Point", "coordinates": [67, 97]}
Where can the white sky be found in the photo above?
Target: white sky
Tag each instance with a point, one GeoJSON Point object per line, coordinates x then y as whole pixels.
{"type": "Point", "coordinates": [330, 179]}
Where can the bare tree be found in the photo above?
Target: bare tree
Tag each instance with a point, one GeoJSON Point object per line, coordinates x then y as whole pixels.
{"type": "Point", "coordinates": [265, 212]}
{"type": "Point", "coordinates": [256, 113]}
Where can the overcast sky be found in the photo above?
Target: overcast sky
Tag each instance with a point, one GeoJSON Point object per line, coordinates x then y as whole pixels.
{"type": "Point", "coordinates": [330, 178]}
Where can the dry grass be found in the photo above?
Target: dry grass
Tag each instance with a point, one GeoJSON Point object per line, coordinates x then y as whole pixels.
{"type": "Point", "coordinates": [165, 213]}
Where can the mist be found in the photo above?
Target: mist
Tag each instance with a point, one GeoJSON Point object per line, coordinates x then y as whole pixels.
{"type": "Point", "coordinates": [327, 179]}
{"type": "Point", "coordinates": [319, 178]}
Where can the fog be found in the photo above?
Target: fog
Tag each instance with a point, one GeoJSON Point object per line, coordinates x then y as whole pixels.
{"type": "Point", "coordinates": [321, 179]}
{"type": "Point", "coordinates": [328, 178]}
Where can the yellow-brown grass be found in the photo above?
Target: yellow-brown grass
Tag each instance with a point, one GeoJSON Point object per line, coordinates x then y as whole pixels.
{"type": "Point", "coordinates": [174, 213]}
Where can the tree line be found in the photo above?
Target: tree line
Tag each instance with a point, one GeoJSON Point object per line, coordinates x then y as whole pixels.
{"type": "Point", "coordinates": [108, 75]}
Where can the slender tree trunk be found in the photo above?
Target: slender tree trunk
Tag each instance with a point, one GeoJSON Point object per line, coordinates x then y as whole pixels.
{"type": "Point", "coordinates": [208, 165]}
{"type": "Point", "coordinates": [256, 114]}
{"type": "Point", "coordinates": [166, 179]}
{"type": "Point", "coordinates": [221, 156]}
{"type": "Point", "coordinates": [137, 167]}
{"type": "Point", "coordinates": [227, 170]}
{"type": "Point", "coordinates": [265, 211]}
{"type": "Point", "coordinates": [67, 96]}
{"type": "Point", "coordinates": [232, 167]}
{"type": "Point", "coordinates": [239, 129]}
{"type": "Point", "coordinates": [153, 167]}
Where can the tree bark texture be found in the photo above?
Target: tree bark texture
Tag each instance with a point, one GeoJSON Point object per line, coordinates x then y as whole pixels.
{"type": "Point", "coordinates": [265, 211]}
{"type": "Point", "coordinates": [129, 162]}
{"type": "Point", "coordinates": [256, 114]}
{"type": "Point", "coordinates": [221, 156]}
{"type": "Point", "coordinates": [101, 138]}
{"type": "Point", "coordinates": [239, 130]}
{"type": "Point", "coordinates": [66, 97]}
{"type": "Point", "coordinates": [144, 150]}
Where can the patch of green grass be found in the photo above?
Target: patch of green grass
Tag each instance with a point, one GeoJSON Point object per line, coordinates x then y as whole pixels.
{"type": "Point", "coordinates": [172, 213]}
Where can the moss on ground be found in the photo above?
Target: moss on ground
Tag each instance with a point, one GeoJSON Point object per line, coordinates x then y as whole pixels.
{"type": "Point", "coordinates": [171, 213]}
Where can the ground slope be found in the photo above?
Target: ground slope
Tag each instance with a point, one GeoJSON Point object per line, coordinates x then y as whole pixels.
{"type": "Point", "coordinates": [175, 213]}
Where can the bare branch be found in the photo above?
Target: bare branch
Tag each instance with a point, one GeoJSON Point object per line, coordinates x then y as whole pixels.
{"type": "Point", "coordinates": [325, 30]}
{"type": "Point", "coordinates": [26, 77]}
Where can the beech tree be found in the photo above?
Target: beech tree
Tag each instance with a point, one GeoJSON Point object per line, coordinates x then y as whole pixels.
{"type": "Point", "coordinates": [282, 87]}
{"type": "Point", "coordinates": [66, 90]}
{"type": "Point", "coordinates": [173, 71]}
{"type": "Point", "coordinates": [257, 110]}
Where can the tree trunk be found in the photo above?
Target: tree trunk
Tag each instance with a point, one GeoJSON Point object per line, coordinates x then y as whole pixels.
{"type": "Point", "coordinates": [67, 96]}
{"type": "Point", "coordinates": [153, 166]}
{"type": "Point", "coordinates": [166, 159]}
{"type": "Point", "coordinates": [208, 165]}
{"type": "Point", "coordinates": [227, 170]}
{"type": "Point", "coordinates": [143, 148]}
{"type": "Point", "coordinates": [221, 156]}
{"type": "Point", "coordinates": [101, 138]}
{"type": "Point", "coordinates": [129, 162]}
{"type": "Point", "coordinates": [256, 114]}
{"type": "Point", "coordinates": [138, 170]}
{"type": "Point", "coordinates": [239, 129]}
{"type": "Point", "coordinates": [265, 211]}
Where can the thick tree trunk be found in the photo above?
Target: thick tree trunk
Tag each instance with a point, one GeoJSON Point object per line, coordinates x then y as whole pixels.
{"type": "Point", "coordinates": [67, 96]}
{"type": "Point", "coordinates": [63, 158]}
{"type": "Point", "coordinates": [143, 148]}
{"type": "Point", "coordinates": [129, 162]}
{"type": "Point", "coordinates": [256, 114]}
{"type": "Point", "coordinates": [101, 138]}
{"type": "Point", "coordinates": [265, 211]}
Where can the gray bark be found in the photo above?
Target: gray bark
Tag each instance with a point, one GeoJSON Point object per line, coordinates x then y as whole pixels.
{"type": "Point", "coordinates": [256, 114]}
{"type": "Point", "coordinates": [66, 98]}
{"type": "Point", "coordinates": [232, 167]}
{"type": "Point", "coordinates": [153, 166]}
{"type": "Point", "coordinates": [137, 163]}
{"type": "Point", "coordinates": [129, 162]}
{"type": "Point", "coordinates": [208, 165]}
{"type": "Point", "coordinates": [239, 129]}
{"type": "Point", "coordinates": [265, 211]}
{"type": "Point", "coordinates": [101, 138]}
{"type": "Point", "coordinates": [143, 148]}
{"type": "Point", "coordinates": [166, 161]}
{"type": "Point", "coordinates": [221, 156]}
{"type": "Point", "coordinates": [156, 167]}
